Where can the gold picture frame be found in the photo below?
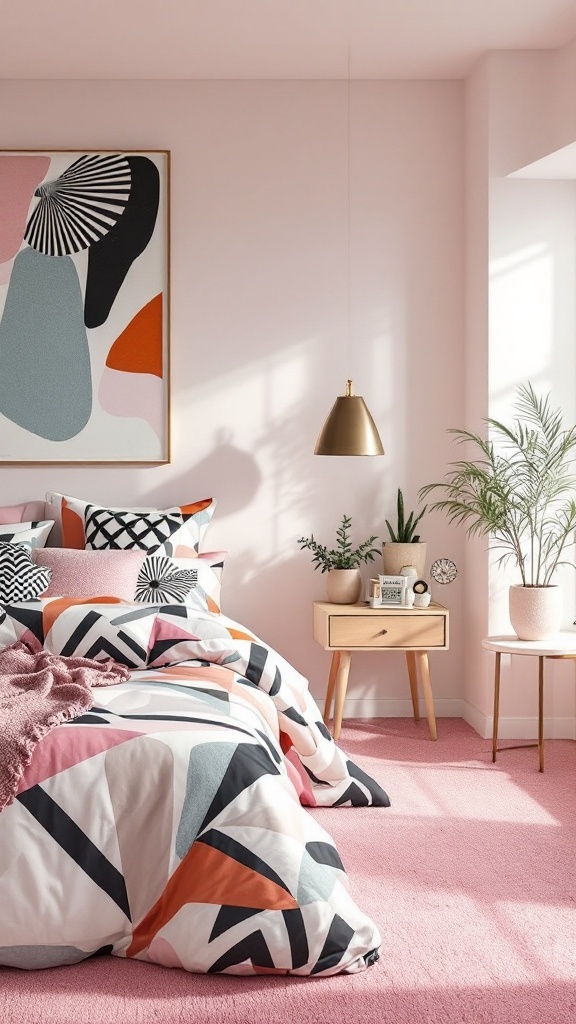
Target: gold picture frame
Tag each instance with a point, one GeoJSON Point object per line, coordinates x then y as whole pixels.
{"type": "Point", "coordinates": [84, 306]}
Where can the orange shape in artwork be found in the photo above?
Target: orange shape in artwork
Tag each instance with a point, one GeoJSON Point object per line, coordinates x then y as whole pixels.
{"type": "Point", "coordinates": [139, 348]}
{"type": "Point", "coordinates": [207, 875]}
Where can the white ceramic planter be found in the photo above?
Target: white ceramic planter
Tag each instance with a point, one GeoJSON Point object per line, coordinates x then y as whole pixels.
{"type": "Point", "coordinates": [344, 586]}
{"type": "Point", "coordinates": [535, 612]}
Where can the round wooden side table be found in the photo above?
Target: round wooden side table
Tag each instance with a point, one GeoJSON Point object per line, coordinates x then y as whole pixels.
{"type": "Point", "coordinates": [561, 646]}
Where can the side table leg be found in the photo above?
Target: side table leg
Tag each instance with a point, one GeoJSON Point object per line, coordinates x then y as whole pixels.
{"type": "Point", "coordinates": [341, 684]}
{"type": "Point", "coordinates": [331, 683]}
{"type": "Point", "coordinates": [541, 713]}
{"type": "Point", "coordinates": [422, 662]}
{"type": "Point", "coordinates": [496, 706]}
{"type": "Point", "coordinates": [413, 677]}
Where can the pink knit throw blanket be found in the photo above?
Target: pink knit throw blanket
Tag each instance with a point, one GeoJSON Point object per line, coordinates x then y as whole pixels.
{"type": "Point", "coordinates": [38, 691]}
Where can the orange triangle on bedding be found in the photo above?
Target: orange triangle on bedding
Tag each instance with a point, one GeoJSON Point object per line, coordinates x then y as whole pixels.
{"type": "Point", "coordinates": [237, 634]}
{"type": "Point", "coordinates": [207, 875]}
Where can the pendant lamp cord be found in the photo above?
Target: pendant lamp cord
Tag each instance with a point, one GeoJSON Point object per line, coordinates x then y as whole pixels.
{"type": "Point", "coordinates": [348, 223]}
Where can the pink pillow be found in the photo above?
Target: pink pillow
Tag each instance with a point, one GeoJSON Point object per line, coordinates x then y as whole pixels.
{"type": "Point", "coordinates": [78, 573]}
{"type": "Point", "coordinates": [33, 510]}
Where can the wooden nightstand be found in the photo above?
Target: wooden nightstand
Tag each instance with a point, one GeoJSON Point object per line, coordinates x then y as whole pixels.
{"type": "Point", "coordinates": [343, 628]}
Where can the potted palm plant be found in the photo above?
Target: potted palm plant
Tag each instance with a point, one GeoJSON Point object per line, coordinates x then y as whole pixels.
{"type": "Point", "coordinates": [404, 547]}
{"type": "Point", "coordinates": [518, 488]}
{"type": "Point", "coordinates": [341, 562]}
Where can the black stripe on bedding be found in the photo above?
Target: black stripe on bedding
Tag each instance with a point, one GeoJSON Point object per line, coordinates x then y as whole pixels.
{"type": "Point", "coordinates": [83, 627]}
{"type": "Point", "coordinates": [76, 844]}
{"type": "Point", "coordinates": [256, 664]}
{"type": "Point", "coordinates": [237, 851]}
{"type": "Point", "coordinates": [296, 931]}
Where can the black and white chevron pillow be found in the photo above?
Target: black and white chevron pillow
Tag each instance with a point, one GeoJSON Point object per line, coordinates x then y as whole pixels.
{"type": "Point", "coordinates": [20, 578]}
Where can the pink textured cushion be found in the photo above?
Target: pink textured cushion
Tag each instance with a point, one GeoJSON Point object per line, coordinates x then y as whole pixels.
{"type": "Point", "coordinates": [77, 573]}
{"type": "Point", "coordinates": [33, 510]}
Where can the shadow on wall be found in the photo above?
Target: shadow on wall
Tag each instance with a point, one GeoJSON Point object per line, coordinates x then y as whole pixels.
{"type": "Point", "coordinates": [225, 463]}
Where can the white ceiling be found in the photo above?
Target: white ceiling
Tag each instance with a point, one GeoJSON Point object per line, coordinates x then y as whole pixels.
{"type": "Point", "coordinates": [262, 39]}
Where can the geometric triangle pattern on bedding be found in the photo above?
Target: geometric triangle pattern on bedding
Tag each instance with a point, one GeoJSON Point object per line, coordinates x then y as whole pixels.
{"type": "Point", "coordinates": [156, 637]}
{"type": "Point", "coordinates": [76, 844]}
{"type": "Point", "coordinates": [168, 827]}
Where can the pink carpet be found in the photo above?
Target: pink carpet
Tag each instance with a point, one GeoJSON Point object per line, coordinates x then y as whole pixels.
{"type": "Point", "coordinates": [470, 875]}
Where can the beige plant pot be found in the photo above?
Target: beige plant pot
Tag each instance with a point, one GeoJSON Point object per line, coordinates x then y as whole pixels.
{"type": "Point", "coordinates": [395, 556]}
{"type": "Point", "coordinates": [535, 612]}
{"type": "Point", "coordinates": [344, 586]}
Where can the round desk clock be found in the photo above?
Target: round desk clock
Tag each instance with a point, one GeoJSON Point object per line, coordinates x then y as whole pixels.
{"type": "Point", "coordinates": [443, 570]}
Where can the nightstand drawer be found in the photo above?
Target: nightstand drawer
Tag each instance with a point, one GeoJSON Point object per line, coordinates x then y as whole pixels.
{"type": "Point", "coordinates": [387, 631]}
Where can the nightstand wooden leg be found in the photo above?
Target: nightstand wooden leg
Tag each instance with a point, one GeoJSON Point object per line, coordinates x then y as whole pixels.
{"type": "Point", "coordinates": [341, 684]}
{"type": "Point", "coordinates": [422, 663]}
{"type": "Point", "coordinates": [331, 684]}
{"type": "Point", "coordinates": [413, 677]}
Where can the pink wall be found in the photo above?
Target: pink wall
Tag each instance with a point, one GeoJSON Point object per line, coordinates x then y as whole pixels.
{"type": "Point", "coordinates": [260, 344]}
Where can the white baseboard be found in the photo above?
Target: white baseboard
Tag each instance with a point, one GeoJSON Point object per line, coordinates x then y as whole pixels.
{"type": "Point", "coordinates": [457, 707]}
{"type": "Point", "coordinates": [375, 707]}
{"type": "Point", "coordinates": [519, 728]}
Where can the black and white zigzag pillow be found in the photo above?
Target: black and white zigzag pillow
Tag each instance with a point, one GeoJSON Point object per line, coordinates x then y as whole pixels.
{"type": "Point", "coordinates": [20, 578]}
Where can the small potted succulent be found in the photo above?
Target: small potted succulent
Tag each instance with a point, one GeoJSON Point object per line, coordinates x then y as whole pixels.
{"type": "Point", "coordinates": [404, 547]}
{"type": "Point", "coordinates": [341, 562]}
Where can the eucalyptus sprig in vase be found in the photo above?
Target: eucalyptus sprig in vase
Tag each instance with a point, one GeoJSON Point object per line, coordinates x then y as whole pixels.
{"type": "Point", "coordinates": [341, 562]}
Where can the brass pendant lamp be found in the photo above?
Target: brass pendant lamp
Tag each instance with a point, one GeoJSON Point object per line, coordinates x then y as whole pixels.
{"type": "Point", "coordinates": [349, 429]}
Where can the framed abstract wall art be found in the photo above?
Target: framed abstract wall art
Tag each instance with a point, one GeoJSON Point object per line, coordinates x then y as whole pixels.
{"type": "Point", "coordinates": [84, 306]}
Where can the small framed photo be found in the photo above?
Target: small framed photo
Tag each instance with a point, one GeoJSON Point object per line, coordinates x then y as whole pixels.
{"type": "Point", "coordinates": [393, 590]}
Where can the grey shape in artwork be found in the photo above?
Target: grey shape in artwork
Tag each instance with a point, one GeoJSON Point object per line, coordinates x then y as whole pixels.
{"type": "Point", "coordinates": [45, 373]}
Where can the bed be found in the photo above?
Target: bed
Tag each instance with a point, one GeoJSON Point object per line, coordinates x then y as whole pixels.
{"type": "Point", "coordinates": [166, 820]}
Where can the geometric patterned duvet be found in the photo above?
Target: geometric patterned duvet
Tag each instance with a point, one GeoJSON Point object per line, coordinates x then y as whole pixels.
{"type": "Point", "coordinates": [167, 823]}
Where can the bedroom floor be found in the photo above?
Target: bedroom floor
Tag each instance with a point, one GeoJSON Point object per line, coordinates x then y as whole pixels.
{"type": "Point", "coordinates": [470, 876]}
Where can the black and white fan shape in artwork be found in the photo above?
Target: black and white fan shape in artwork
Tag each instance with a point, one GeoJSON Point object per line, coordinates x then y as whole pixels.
{"type": "Point", "coordinates": [162, 582]}
{"type": "Point", "coordinates": [81, 206]}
